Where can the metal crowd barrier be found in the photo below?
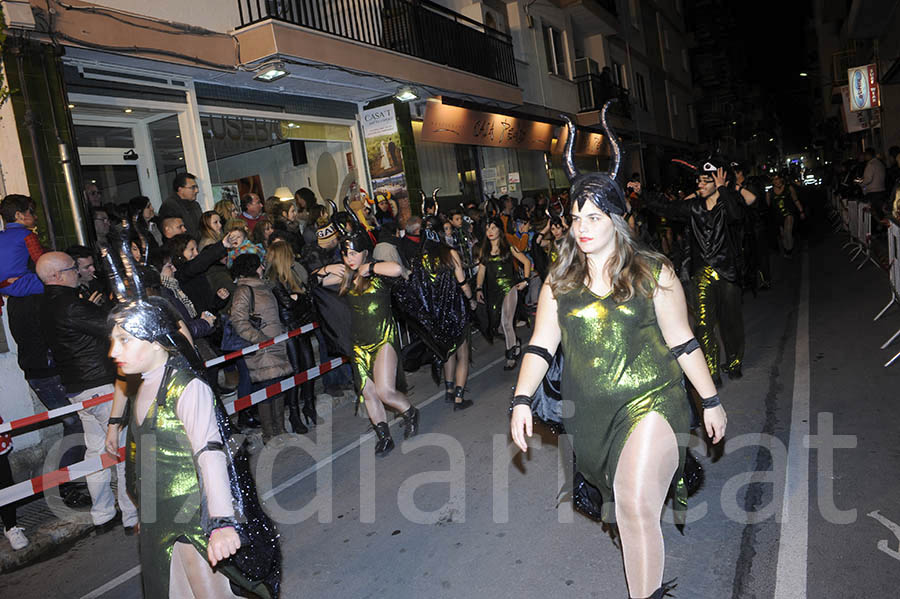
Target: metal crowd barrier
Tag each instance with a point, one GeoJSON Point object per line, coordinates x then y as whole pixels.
{"type": "Point", "coordinates": [894, 273]}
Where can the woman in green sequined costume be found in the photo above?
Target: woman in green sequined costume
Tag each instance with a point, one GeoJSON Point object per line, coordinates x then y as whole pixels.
{"type": "Point", "coordinates": [365, 286]}
{"type": "Point", "coordinates": [782, 200]}
{"type": "Point", "coordinates": [498, 285]}
{"type": "Point", "coordinates": [616, 308]}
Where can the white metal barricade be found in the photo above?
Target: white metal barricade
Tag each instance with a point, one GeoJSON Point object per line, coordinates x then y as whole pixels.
{"type": "Point", "coordinates": [864, 236]}
{"type": "Point", "coordinates": [894, 272]}
{"type": "Point", "coordinates": [852, 221]}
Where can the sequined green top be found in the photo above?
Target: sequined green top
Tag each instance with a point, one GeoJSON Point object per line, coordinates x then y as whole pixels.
{"type": "Point", "coordinates": [373, 326]}
{"type": "Point", "coordinates": [618, 369]}
{"type": "Point", "coordinates": [782, 203]}
{"type": "Point", "coordinates": [170, 508]}
{"type": "Point", "coordinates": [500, 273]}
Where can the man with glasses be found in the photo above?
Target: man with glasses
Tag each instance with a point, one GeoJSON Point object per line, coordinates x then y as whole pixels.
{"type": "Point", "coordinates": [711, 213]}
{"type": "Point", "coordinates": [77, 333]}
{"type": "Point", "coordinates": [183, 203]}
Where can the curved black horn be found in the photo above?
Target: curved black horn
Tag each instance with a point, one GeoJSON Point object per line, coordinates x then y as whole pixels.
{"type": "Point", "coordinates": [128, 262]}
{"type": "Point", "coordinates": [115, 275]}
{"type": "Point", "coordinates": [569, 150]}
{"type": "Point", "coordinates": [615, 150]}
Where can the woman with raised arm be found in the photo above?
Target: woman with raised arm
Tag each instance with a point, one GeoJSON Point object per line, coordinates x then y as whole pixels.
{"type": "Point", "coordinates": [363, 283]}
{"type": "Point", "coordinates": [618, 312]}
{"type": "Point", "coordinates": [497, 285]}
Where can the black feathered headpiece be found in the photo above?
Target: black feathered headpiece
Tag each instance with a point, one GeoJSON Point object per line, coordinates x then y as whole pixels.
{"type": "Point", "coordinates": [600, 188]}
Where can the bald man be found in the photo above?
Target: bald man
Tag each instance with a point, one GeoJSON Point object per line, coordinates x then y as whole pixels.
{"type": "Point", "coordinates": [172, 226]}
{"type": "Point", "coordinates": [78, 336]}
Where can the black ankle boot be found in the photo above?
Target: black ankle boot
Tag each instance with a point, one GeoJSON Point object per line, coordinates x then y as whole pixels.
{"type": "Point", "coordinates": [662, 591]}
{"type": "Point", "coordinates": [458, 402]}
{"type": "Point", "coordinates": [309, 410]}
{"type": "Point", "coordinates": [511, 359]}
{"type": "Point", "coordinates": [385, 443]}
{"type": "Point", "coordinates": [448, 391]}
{"type": "Point", "coordinates": [410, 422]}
{"type": "Point", "coordinates": [294, 418]}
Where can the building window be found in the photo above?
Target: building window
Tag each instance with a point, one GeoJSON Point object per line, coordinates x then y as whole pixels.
{"type": "Point", "coordinates": [685, 60]}
{"type": "Point", "coordinates": [634, 8]}
{"type": "Point", "coordinates": [555, 50]}
{"type": "Point", "coordinates": [640, 87]}
{"type": "Point", "coordinates": [674, 105]}
{"type": "Point", "coordinates": [619, 75]}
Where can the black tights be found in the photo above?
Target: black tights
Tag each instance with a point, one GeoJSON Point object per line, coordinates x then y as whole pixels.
{"type": "Point", "coordinates": [7, 512]}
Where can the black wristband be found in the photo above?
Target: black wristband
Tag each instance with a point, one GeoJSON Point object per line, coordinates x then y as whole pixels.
{"type": "Point", "coordinates": [216, 523]}
{"type": "Point", "coordinates": [116, 420]}
{"type": "Point", "coordinates": [710, 402]}
{"type": "Point", "coordinates": [519, 400]}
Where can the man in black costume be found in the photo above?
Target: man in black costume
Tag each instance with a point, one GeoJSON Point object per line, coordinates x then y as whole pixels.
{"type": "Point", "coordinates": [716, 264]}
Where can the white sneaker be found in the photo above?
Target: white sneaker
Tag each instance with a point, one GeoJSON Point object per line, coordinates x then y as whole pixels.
{"type": "Point", "coordinates": [17, 538]}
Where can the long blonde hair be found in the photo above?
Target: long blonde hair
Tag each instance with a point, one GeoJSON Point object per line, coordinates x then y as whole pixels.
{"type": "Point", "coordinates": [280, 259]}
{"type": "Point", "coordinates": [632, 268]}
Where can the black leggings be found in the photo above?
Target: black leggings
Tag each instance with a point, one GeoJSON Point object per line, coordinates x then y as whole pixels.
{"type": "Point", "coordinates": [300, 354]}
{"type": "Point", "coordinates": [7, 512]}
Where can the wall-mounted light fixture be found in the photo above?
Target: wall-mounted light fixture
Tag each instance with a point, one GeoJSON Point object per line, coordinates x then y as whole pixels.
{"type": "Point", "coordinates": [270, 72]}
{"type": "Point", "coordinates": [406, 94]}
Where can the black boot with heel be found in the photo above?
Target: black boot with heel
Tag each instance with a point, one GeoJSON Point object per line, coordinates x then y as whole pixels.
{"type": "Point", "coordinates": [385, 443]}
{"type": "Point", "coordinates": [459, 402]}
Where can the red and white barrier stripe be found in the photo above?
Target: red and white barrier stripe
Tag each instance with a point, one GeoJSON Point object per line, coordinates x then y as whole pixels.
{"type": "Point", "coordinates": [252, 348]}
{"type": "Point", "coordinates": [75, 407]}
{"type": "Point", "coordinates": [40, 483]}
{"type": "Point", "coordinates": [56, 413]}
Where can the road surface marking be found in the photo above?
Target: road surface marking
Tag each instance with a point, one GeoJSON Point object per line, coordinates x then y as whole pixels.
{"type": "Point", "coordinates": [99, 591]}
{"type": "Point", "coordinates": [790, 578]}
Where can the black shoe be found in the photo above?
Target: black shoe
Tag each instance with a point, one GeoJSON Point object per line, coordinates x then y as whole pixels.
{"type": "Point", "coordinates": [75, 495]}
{"type": "Point", "coordinates": [130, 531]}
{"type": "Point", "coordinates": [294, 418]}
{"type": "Point", "coordinates": [385, 443]}
{"type": "Point", "coordinates": [410, 422]}
{"type": "Point", "coordinates": [309, 411]}
{"type": "Point", "coordinates": [108, 525]}
{"type": "Point", "coordinates": [459, 403]}
{"type": "Point", "coordinates": [511, 359]}
{"type": "Point", "coordinates": [247, 420]}
{"type": "Point", "coordinates": [735, 373]}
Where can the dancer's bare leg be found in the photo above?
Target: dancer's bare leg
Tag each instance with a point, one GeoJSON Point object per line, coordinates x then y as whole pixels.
{"type": "Point", "coordinates": [386, 380]}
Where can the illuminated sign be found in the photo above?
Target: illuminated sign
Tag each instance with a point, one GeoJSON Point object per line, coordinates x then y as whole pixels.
{"type": "Point", "coordinates": [452, 124]}
{"type": "Point", "coordinates": [863, 87]}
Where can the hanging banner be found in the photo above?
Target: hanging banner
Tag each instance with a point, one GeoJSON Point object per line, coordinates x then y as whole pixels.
{"type": "Point", "coordinates": [452, 124]}
{"type": "Point", "coordinates": [864, 92]}
{"type": "Point", "coordinates": [853, 121]}
{"type": "Point", "coordinates": [385, 156]}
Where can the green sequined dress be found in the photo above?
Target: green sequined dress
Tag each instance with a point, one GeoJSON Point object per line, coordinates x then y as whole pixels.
{"type": "Point", "coordinates": [373, 327]}
{"type": "Point", "coordinates": [170, 512]}
{"type": "Point", "coordinates": [618, 369]}
{"type": "Point", "coordinates": [499, 278]}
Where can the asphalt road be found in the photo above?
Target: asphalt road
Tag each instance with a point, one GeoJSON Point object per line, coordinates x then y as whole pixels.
{"type": "Point", "coordinates": [452, 513]}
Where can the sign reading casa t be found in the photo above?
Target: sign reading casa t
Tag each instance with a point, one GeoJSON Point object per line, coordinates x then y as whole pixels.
{"type": "Point", "coordinates": [863, 84]}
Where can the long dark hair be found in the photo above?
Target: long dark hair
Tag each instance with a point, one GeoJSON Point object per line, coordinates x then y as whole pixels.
{"type": "Point", "coordinates": [502, 242]}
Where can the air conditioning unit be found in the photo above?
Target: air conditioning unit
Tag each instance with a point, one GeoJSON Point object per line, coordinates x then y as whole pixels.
{"type": "Point", "coordinates": [18, 14]}
{"type": "Point", "coordinates": [586, 66]}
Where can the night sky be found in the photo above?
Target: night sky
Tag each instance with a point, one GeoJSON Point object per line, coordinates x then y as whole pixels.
{"type": "Point", "coordinates": [773, 34]}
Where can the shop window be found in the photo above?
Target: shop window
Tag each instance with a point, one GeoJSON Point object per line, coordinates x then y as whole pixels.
{"type": "Point", "coordinates": [168, 152]}
{"type": "Point", "coordinates": [641, 89]}
{"type": "Point", "coordinates": [554, 48]}
{"type": "Point", "coordinates": [259, 155]}
{"type": "Point", "coordinates": [619, 74]}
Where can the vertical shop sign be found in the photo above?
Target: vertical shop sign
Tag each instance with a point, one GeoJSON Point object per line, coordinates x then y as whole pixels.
{"type": "Point", "coordinates": [383, 151]}
{"type": "Point", "coordinates": [853, 121]}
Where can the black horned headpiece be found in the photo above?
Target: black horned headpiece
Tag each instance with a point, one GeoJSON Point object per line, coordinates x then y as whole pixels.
{"type": "Point", "coordinates": [149, 318]}
{"type": "Point", "coordinates": [600, 188]}
{"type": "Point", "coordinates": [429, 207]}
{"type": "Point", "coordinates": [353, 235]}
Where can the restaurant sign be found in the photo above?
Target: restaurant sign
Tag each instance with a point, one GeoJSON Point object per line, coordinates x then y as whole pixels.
{"type": "Point", "coordinates": [452, 124]}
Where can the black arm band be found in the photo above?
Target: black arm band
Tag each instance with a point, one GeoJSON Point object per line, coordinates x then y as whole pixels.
{"type": "Point", "coordinates": [117, 420]}
{"type": "Point", "coordinates": [710, 402]}
{"type": "Point", "coordinates": [216, 523]}
{"type": "Point", "coordinates": [539, 351]}
{"type": "Point", "coordinates": [121, 377]}
{"type": "Point", "coordinates": [519, 400]}
{"type": "Point", "coordinates": [685, 348]}
{"type": "Point", "coordinates": [210, 446]}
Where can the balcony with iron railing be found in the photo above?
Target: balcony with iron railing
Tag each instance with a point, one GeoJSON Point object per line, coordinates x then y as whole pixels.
{"type": "Point", "coordinates": [417, 28]}
{"type": "Point", "coordinates": [594, 90]}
